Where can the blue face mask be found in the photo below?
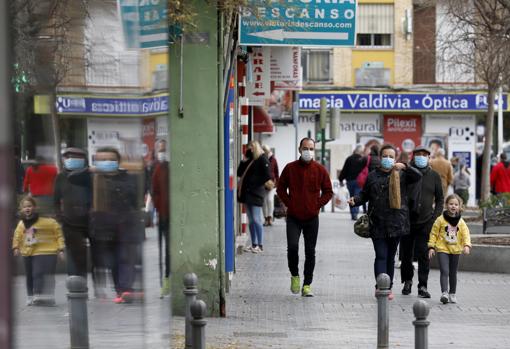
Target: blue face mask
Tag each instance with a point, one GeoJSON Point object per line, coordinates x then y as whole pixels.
{"type": "Point", "coordinates": [107, 165]}
{"type": "Point", "coordinates": [387, 163]}
{"type": "Point", "coordinates": [421, 161]}
{"type": "Point", "coordinates": [72, 164]}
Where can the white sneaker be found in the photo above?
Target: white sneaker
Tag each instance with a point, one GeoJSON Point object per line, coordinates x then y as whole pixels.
{"type": "Point", "coordinates": [256, 249]}
{"type": "Point", "coordinates": [30, 301]}
{"type": "Point", "coordinates": [453, 298]}
{"type": "Point", "coordinates": [444, 298]}
{"type": "Point", "coordinates": [415, 265]}
{"type": "Point", "coordinates": [248, 249]}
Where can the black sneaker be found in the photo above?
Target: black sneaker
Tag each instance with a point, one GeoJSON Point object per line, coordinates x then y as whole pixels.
{"type": "Point", "coordinates": [407, 288]}
{"type": "Point", "coordinates": [423, 293]}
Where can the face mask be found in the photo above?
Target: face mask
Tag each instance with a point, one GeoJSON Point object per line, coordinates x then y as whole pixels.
{"type": "Point", "coordinates": [161, 156]}
{"type": "Point", "coordinates": [421, 161]}
{"type": "Point", "coordinates": [387, 163]}
{"type": "Point", "coordinates": [72, 164]}
{"type": "Point", "coordinates": [307, 155]}
{"type": "Point", "coordinates": [107, 165]}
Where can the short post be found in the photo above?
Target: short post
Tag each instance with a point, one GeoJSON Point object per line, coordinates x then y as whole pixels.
{"type": "Point", "coordinates": [198, 310]}
{"type": "Point", "coordinates": [77, 297]}
{"type": "Point", "coordinates": [190, 294]}
{"type": "Point", "coordinates": [383, 311]}
{"type": "Point", "coordinates": [421, 310]}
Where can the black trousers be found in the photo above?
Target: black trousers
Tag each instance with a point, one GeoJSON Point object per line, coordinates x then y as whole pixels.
{"type": "Point", "coordinates": [163, 234]}
{"type": "Point", "coordinates": [40, 274]}
{"type": "Point", "coordinates": [76, 247]}
{"type": "Point", "coordinates": [413, 246]}
{"type": "Point", "coordinates": [310, 230]}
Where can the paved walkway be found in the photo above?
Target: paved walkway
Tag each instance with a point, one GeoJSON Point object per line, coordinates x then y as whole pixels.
{"type": "Point", "coordinates": [262, 313]}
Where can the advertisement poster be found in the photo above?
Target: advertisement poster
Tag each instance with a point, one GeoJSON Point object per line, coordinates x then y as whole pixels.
{"type": "Point", "coordinates": [403, 131]}
{"type": "Point", "coordinates": [258, 86]}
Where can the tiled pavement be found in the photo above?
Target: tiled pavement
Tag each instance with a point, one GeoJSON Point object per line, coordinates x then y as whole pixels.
{"type": "Point", "coordinates": [262, 313]}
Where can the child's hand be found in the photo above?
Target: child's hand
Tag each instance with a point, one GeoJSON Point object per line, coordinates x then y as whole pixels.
{"type": "Point", "coordinates": [15, 252]}
{"type": "Point", "coordinates": [61, 255]}
{"type": "Point", "coordinates": [432, 252]}
{"type": "Point", "coordinates": [467, 250]}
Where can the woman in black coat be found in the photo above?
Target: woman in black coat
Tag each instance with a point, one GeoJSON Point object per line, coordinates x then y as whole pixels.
{"type": "Point", "coordinates": [253, 172]}
{"type": "Point", "coordinates": [386, 194]}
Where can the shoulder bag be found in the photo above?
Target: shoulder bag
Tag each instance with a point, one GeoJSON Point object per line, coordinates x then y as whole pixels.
{"type": "Point", "coordinates": [241, 180]}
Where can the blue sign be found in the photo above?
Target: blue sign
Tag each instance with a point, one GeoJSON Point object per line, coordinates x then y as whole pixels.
{"type": "Point", "coordinates": [476, 102]}
{"type": "Point", "coordinates": [298, 23]}
{"type": "Point", "coordinates": [91, 105]}
{"type": "Point", "coordinates": [464, 157]}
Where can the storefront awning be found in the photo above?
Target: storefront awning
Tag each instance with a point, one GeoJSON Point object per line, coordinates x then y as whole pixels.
{"type": "Point", "coordinates": [262, 122]}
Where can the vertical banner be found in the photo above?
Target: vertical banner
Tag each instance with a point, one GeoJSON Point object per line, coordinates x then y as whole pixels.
{"type": "Point", "coordinates": [403, 131]}
{"type": "Point", "coordinates": [286, 68]}
{"type": "Point", "coordinates": [258, 88]}
{"type": "Point", "coordinates": [148, 138]}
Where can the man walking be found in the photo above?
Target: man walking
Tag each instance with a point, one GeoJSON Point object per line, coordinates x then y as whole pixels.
{"type": "Point", "coordinates": [304, 187]}
{"type": "Point", "coordinates": [444, 168]}
{"type": "Point", "coordinates": [353, 165]}
{"type": "Point", "coordinates": [426, 204]}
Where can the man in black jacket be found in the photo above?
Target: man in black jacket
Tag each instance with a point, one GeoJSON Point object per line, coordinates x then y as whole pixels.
{"type": "Point", "coordinates": [353, 165]}
{"type": "Point", "coordinates": [72, 201]}
{"type": "Point", "coordinates": [426, 204]}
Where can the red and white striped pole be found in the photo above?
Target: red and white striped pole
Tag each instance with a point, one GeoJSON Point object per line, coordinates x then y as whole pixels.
{"type": "Point", "coordinates": [245, 109]}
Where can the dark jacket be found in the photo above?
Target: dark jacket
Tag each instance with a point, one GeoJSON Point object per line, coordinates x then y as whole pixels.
{"type": "Point", "coordinates": [385, 221]}
{"type": "Point", "coordinates": [73, 198]}
{"type": "Point", "coordinates": [252, 190]}
{"type": "Point", "coordinates": [352, 167]}
{"type": "Point", "coordinates": [273, 169]}
{"type": "Point", "coordinates": [423, 195]}
{"type": "Point", "coordinates": [304, 188]}
{"type": "Point", "coordinates": [375, 161]}
{"type": "Point", "coordinates": [160, 189]}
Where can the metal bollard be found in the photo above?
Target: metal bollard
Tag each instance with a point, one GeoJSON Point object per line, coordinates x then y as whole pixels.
{"type": "Point", "coordinates": [198, 310]}
{"type": "Point", "coordinates": [190, 293]}
{"type": "Point", "coordinates": [383, 311]}
{"type": "Point", "coordinates": [421, 310]}
{"type": "Point", "coordinates": [77, 297]}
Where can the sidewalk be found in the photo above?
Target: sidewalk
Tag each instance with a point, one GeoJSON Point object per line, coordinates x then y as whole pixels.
{"type": "Point", "coordinates": [262, 313]}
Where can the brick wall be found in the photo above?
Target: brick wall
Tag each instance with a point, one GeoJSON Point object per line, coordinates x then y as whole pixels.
{"type": "Point", "coordinates": [424, 50]}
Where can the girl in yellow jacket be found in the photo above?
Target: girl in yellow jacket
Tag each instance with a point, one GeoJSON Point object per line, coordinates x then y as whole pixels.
{"type": "Point", "coordinates": [39, 240]}
{"type": "Point", "coordinates": [449, 238]}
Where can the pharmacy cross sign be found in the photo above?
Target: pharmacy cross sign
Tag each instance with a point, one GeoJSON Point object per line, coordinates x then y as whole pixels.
{"type": "Point", "coordinates": [298, 23]}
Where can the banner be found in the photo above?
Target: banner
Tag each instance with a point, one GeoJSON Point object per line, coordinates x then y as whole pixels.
{"type": "Point", "coordinates": [403, 131]}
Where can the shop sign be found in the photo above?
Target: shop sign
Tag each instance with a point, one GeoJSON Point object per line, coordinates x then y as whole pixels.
{"type": "Point", "coordinates": [404, 131]}
{"type": "Point", "coordinates": [93, 105]}
{"type": "Point", "coordinates": [258, 88]}
{"type": "Point", "coordinates": [286, 68]}
{"type": "Point", "coordinates": [363, 101]}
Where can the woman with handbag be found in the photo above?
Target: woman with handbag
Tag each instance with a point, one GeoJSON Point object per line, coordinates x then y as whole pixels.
{"type": "Point", "coordinates": [254, 173]}
{"type": "Point", "coordinates": [270, 186]}
{"type": "Point", "coordinates": [386, 193]}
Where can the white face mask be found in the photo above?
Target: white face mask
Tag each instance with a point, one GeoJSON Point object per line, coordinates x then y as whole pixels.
{"type": "Point", "coordinates": [161, 156]}
{"type": "Point", "coordinates": [307, 155]}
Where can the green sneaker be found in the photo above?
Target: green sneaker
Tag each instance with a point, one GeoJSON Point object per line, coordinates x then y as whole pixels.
{"type": "Point", "coordinates": [295, 284]}
{"type": "Point", "coordinates": [165, 289]}
{"type": "Point", "coordinates": [307, 291]}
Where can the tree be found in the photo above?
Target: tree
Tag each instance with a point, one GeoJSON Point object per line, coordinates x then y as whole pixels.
{"type": "Point", "coordinates": [476, 42]}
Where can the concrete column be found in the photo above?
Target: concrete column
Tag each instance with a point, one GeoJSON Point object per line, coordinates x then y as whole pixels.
{"type": "Point", "coordinates": [195, 160]}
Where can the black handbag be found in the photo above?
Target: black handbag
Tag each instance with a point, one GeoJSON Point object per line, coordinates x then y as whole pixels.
{"type": "Point", "coordinates": [362, 226]}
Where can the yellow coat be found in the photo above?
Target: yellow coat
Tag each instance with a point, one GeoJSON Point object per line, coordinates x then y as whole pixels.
{"type": "Point", "coordinates": [43, 238]}
{"type": "Point", "coordinates": [446, 239]}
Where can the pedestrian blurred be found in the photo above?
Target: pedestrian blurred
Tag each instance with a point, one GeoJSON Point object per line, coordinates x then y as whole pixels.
{"type": "Point", "coordinates": [455, 161]}
{"type": "Point", "coordinates": [462, 182]}
{"type": "Point", "coordinates": [161, 197]}
{"type": "Point", "coordinates": [268, 206]}
{"type": "Point", "coordinates": [117, 225]}
{"type": "Point", "coordinates": [500, 176]}
{"type": "Point", "coordinates": [72, 201]}
{"type": "Point", "coordinates": [39, 240]}
{"type": "Point", "coordinates": [254, 173]}
{"type": "Point", "coordinates": [425, 205]}
{"type": "Point", "coordinates": [304, 187]}
{"type": "Point", "coordinates": [444, 168]}
{"type": "Point", "coordinates": [375, 161]}
{"type": "Point", "coordinates": [39, 182]}
{"type": "Point", "coordinates": [449, 237]}
{"type": "Point", "coordinates": [386, 192]}
{"type": "Point", "coordinates": [353, 166]}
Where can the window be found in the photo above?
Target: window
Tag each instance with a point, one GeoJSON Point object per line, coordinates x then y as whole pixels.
{"type": "Point", "coordinates": [317, 65]}
{"type": "Point", "coordinates": [376, 25]}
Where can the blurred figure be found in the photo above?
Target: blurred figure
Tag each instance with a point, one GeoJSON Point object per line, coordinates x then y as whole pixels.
{"type": "Point", "coordinates": [444, 168]}
{"type": "Point", "coordinates": [268, 207]}
{"type": "Point", "coordinates": [160, 195]}
{"type": "Point", "coordinates": [39, 182]}
{"type": "Point", "coordinates": [455, 161]}
{"type": "Point", "coordinates": [500, 176]}
{"type": "Point", "coordinates": [40, 241]}
{"type": "Point", "coordinates": [461, 183]}
{"type": "Point", "coordinates": [353, 166]}
{"type": "Point", "coordinates": [72, 201]}
{"type": "Point", "coordinates": [375, 160]}
{"type": "Point", "coordinates": [117, 225]}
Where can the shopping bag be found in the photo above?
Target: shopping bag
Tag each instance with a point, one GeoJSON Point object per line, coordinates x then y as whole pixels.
{"type": "Point", "coordinates": [341, 198]}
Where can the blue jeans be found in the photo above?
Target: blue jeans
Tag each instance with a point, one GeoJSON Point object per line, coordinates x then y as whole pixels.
{"type": "Point", "coordinates": [385, 250]}
{"type": "Point", "coordinates": [354, 189]}
{"type": "Point", "coordinates": [255, 224]}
